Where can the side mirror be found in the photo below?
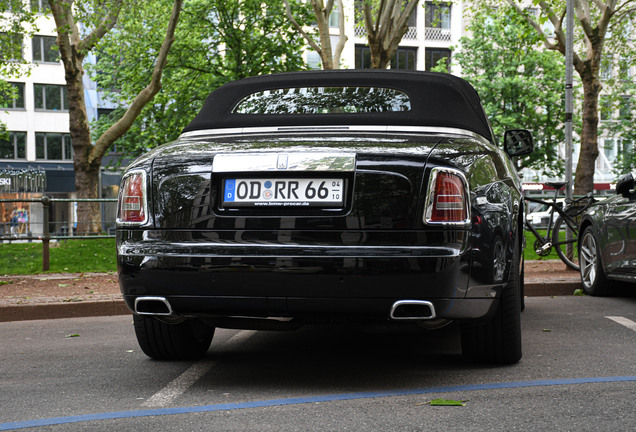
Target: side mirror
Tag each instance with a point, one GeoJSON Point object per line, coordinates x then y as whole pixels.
{"type": "Point", "coordinates": [518, 142]}
{"type": "Point", "coordinates": [625, 184]}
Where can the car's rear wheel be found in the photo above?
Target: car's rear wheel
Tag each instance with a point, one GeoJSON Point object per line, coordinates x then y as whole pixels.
{"type": "Point", "coordinates": [182, 340]}
{"type": "Point", "coordinates": [592, 275]}
{"type": "Point", "coordinates": [498, 340]}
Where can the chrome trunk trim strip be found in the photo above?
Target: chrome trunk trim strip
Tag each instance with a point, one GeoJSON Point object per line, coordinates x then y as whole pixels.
{"type": "Point", "coordinates": [335, 128]}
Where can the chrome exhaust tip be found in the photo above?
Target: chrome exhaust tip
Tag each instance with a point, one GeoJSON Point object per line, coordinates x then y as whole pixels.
{"type": "Point", "coordinates": [412, 310]}
{"type": "Point", "coordinates": [153, 306]}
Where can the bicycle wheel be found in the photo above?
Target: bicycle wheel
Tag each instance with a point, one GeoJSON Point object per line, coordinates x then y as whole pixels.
{"type": "Point", "coordinates": [568, 251]}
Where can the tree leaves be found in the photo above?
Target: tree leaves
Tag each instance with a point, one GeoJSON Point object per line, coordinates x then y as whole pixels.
{"type": "Point", "coordinates": [520, 83]}
{"type": "Point", "coordinates": [216, 42]}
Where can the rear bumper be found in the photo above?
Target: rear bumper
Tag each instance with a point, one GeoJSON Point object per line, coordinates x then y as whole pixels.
{"type": "Point", "coordinates": [204, 278]}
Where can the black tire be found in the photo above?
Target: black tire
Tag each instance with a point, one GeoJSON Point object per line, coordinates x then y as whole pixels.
{"type": "Point", "coordinates": [592, 275]}
{"type": "Point", "coordinates": [184, 340]}
{"type": "Point", "coordinates": [571, 257]}
{"type": "Point", "coordinates": [498, 340]}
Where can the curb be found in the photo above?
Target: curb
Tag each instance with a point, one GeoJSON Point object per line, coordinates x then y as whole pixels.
{"type": "Point", "coordinates": [549, 288]}
{"type": "Point", "coordinates": [41, 311]}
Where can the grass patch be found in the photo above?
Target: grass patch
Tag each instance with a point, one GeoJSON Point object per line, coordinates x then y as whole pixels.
{"type": "Point", "coordinates": [69, 256]}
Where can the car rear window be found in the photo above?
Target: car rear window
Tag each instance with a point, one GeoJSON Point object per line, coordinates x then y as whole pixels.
{"type": "Point", "coordinates": [324, 100]}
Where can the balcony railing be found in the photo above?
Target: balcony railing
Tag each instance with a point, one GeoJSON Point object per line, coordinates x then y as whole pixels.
{"type": "Point", "coordinates": [410, 34]}
{"type": "Point", "coordinates": [437, 34]}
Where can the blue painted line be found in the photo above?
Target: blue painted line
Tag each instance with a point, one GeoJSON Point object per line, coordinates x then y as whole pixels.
{"type": "Point", "coordinates": [305, 400]}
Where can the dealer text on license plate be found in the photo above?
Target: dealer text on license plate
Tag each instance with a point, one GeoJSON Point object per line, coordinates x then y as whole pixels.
{"type": "Point", "coordinates": [324, 192]}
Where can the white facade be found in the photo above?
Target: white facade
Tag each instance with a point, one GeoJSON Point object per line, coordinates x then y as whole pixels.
{"type": "Point", "coordinates": [29, 119]}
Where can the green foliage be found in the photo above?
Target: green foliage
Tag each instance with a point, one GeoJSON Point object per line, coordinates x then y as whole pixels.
{"type": "Point", "coordinates": [618, 101]}
{"type": "Point", "coordinates": [14, 27]}
{"type": "Point", "coordinates": [70, 256]}
{"type": "Point", "coordinates": [6, 95]}
{"type": "Point", "coordinates": [441, 66]}
{"type": "Point", "coordinates": [217, 41]}
{"type": "Point", "coordinates": [520, 83]}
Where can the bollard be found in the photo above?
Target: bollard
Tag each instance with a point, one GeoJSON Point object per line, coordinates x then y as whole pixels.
{"type": "Point", "coordinates": [46, 237]}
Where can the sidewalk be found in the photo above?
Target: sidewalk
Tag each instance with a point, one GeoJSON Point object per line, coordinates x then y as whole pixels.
{"type": "Point", "coordinates": [47, 296]}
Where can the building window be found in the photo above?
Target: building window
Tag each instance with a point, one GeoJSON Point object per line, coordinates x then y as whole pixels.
{"type": "Point", "coordinates": [45, 50]}
{"type": "Point", "coordinates": [50, 97]}
{"type": "Point", "coordinates": [606, 69]}
{"type": "Point", "coordinates": [53, 146]}
{"type": "Point", "coordinates": [437, 15]}
{"type": "Point", "coordinates": [40, 6]}
{"type": "Point", "coordinates": [437, 21]}
{"type": "Point", "coordinates": [625, 108]}
{"type": "Point", "coordinates": [609, 149]}
{"type": "Point", "coordinates": [412, 22]}
{"type": "Point", "coordinates": [334, 15]}
{"type": "Point", "coordinates": [14, 147]}
{"type": "Point", "coordinates": [405, 58]}
{"type": "Point", "coordinates": [605, 105]}
{"type": "Point", "coordinates": [11, 46]}
{"type": "Point", "coordinates": [313, 60]}
{"type": "Point", "coordinates": [625, 69]}
{"type": "Point", "coordinates": [363, 57]}
{"type": "Point", "coordinates": [18, 101]}
{"type": "Point", "coordinates": [434, 55]}
{"type": "Point", "coordinates": [104, 112]}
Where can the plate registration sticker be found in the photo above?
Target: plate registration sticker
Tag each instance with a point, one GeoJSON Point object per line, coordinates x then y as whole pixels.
{"type": "Point", "coordinates": [298, 192]}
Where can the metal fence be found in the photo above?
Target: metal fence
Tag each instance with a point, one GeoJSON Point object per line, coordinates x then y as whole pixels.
{"type": "Point", "coordinates": [43, 222]}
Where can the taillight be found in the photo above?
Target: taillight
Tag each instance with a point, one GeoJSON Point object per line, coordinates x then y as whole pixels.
{"type": "Point", "coordinates": [447, 201]}
{"type": "Point", "coordinates": [132, 199]}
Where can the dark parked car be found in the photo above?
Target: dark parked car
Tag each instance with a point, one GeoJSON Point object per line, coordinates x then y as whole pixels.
{"type": "Point", "coordinates": [607, 241]}
{"type": "Point", "coordinates": [328, 196]}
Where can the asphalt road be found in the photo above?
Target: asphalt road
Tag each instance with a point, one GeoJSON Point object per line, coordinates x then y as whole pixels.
{"type": "Point", "coordinates": [578, 373]}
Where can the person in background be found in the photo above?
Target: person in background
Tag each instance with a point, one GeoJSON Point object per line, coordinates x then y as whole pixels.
{"type": "Point", "coordinates": [14, 223]}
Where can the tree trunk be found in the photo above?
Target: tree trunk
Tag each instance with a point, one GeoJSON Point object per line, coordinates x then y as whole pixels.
{"type": "Point", "coordinates": [584, 177]}
{"type": "Point", "coordinates": [322, 18]}
{"type": "Point", "coordinates": [379, 56]}
{"type": "Point", "coordinates": [86, 174]}
{"type": "Point", "coordinates": [386, 29]}
{"type": "Point", "coordinates": [88, 213]}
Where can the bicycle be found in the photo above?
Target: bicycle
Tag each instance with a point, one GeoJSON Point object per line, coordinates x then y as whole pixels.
{"type": "Point", "coordinates": [557, 235]}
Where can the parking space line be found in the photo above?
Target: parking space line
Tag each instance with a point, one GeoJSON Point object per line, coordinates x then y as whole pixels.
{"type": "Point", "coordinates": [178, 386]}
{"type": "Point", "coordinates": [183, 382]}
{"type": "Point", "coordinates": [623, 321]}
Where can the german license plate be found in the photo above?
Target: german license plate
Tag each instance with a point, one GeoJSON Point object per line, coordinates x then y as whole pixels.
{"type": "Point", "coordinates": [297, 192]}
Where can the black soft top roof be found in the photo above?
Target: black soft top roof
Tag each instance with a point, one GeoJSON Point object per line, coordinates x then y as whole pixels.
{"type": "Point", "coordinates": [436, 100]}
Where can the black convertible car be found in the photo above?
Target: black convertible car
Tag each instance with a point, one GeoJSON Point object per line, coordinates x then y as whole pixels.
{"type": "Point", "coordinates": [607, 241]}
{"type": "Point", "coordinates": [330, 196]}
